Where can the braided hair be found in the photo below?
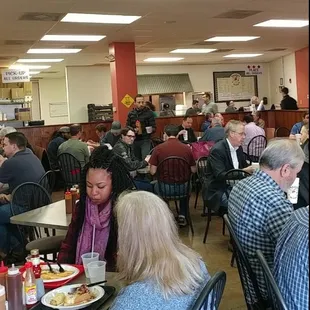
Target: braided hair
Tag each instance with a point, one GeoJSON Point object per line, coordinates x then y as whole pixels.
{"type": "Point", "coordinates": [103, 158]}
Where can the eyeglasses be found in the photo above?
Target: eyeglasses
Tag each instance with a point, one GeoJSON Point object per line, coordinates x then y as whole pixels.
{"type": "Point", "coordinates": [130, 136]}
{"type": "Point", "coordinates": [240, 133]}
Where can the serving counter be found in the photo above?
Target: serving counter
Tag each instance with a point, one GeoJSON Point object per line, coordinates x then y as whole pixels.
{"type": "Point", "coordinates": [40, 135]}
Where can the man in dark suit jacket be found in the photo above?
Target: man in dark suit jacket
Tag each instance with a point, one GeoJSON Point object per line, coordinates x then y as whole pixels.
{"type": "Point", "coordinates": [215, 132]}
{"type": "Point", "coordinates": [187, 126]}
{"type": "Point", "coordinates": [225, 155]}
{"type": "Point", "coordinates": [288, 103]}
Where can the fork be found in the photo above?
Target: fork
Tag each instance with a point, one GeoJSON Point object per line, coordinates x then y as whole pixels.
{"type": "Point", "coordinates": [49, 266]}
{"type": "Point", "coordinates": [60, 268]}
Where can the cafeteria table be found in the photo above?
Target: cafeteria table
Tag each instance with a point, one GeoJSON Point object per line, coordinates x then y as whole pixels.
{"type": "Point", "coordinates": [50, 216]}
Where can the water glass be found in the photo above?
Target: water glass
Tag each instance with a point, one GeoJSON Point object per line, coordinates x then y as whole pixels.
{"type": "Point", "coordinates": [96, 271]}
{"type": "Point", "coordinates": [88, 258]}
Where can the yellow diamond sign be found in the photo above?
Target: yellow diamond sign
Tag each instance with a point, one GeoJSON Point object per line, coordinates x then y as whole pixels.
{"type": "Point", "coordinates": [127, 101]}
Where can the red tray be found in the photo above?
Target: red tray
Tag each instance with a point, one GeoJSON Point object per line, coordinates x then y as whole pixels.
{"type": "Point", "coordinates": [59, 283]}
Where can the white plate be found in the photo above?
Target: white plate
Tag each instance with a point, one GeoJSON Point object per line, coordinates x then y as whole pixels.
{"type": "Point", "coordinates": [97, 290]}
{"type": "Point", "coordinates": [56, 267]}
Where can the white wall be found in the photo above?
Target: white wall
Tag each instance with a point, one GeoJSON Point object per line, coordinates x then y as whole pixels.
{"type": "Point", "coordinates": [282, 68]}
{"type": "Point", "coordinates": [52, 91]}
{"type": "Point", "coordinates": [87, 85]}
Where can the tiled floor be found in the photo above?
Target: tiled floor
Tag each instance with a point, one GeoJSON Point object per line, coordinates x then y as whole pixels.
{"type": "Point", "coordinates": [215, 253]}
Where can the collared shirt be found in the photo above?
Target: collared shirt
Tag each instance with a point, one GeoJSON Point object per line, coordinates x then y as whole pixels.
{"type": "Point", "coordinates": [296, 128]}
{"type": "Point", "coordinates": [291, 261]}
{"type": "Point", "coordinates": [233, 153]}
{"type": "Point", "coordinates": [258, 210]}
{"type": "Point", "coordinates": [251, 130]}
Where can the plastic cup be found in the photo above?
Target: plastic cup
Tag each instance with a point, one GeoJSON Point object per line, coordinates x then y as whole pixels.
{"type": "Point", "coordinates": [88, 258]}
{"type": "Point", "coordinates": [255, 165]}
{"type": "Point", "coordinates": [149, 129]}
{"type": "Point", "coordinates": [185, 135]}
{"type": "Point", "coordinates": [292, 193]}
{"type": "Point", "coordinates": [298, 137]}
{"type": "Point", "coordinates": [96, 271]}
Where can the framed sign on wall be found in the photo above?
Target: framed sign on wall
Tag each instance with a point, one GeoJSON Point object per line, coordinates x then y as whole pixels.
{"type": "Point", "coordinates": [234, 85]}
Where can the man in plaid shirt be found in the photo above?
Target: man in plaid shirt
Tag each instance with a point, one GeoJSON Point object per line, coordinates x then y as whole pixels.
{"type": "Point", "coordinates": [258, 207]}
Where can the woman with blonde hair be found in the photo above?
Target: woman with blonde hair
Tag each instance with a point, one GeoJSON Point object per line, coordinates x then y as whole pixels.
{"type": "Point", "coordinates": [159, 271]}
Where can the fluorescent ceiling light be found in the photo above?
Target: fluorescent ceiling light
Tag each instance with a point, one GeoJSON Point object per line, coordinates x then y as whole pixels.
{"type": "Point", "coordinates": [76, 38]}
{"type": "Point", "coordinates": [28, 67]}
{"type": "Point", "coordinates": [231, 39]}
{"type": "Point", "coordinates": [284, 23]}
{"type": "Point", "coordinates": [162, 59]}
{"type": "Point", "coordinates": [99, 18]}
{"type": "Point", "coordinates": [53, 50]}
{"type": "Point", "coordinates": [34, 72]}
{"type": "Point", "coordinates": [39, 60]}
{"type": "Point", "coordinates": [193, 50]}
{"type": "Point", "coordinates": [242, 55]}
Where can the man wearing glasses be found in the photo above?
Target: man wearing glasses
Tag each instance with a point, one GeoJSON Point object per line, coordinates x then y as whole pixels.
{"type": "Point", "coordinates": [226, 154]}
{"type": "Point", "coordinates": [124, 149]}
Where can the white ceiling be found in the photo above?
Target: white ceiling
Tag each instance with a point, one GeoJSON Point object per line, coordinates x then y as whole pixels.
{"type": "Point", "coordinates": [190, 22]}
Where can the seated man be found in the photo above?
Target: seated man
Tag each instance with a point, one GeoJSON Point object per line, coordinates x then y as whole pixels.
{"type": "Point", "coordinates": [113, 135]}
{"type": "Point", "coordinates": [74, 146]}
{"type": "Point", "coordinates": [62, 135]}
{"type": "Point", "coordinates": [20, 166]}
{"type": "Point", "coordinates": [173, 147]}
{"type": "Point", "coordinates": [207, 123]}
{"type": "Point", "coordinates": [100, 132]}
{"type": "Point", "coordinates": [124, 149]}
{"type": "Point", "coordinates": [220, 116]}
{"type": "Point", "coordinates": [251, 130]}
{"type": "Point", "coordinates": [291, 261]}
{"type": "Point", "coordinates": [230, 107]}
{"type": "Point", "coordinates": [225, 155]}
{"type": "Point", "coordinates": [258, 207]}
{"type": "Point", "coordinates": [297, 127]}
{"type": "Point", "coordinates": [186, 133]}
{"type": "Point", "coordinates": [194, 109]}
{"type": "Point", "coordinates": [215, 133]}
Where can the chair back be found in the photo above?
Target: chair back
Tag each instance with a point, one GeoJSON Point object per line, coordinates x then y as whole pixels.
{"type": "Point", "coordinates": [48, 181]}
{"type": "Point", "coordinates": [25, 197]}
{"type": "Point", "coordinates": [255, 147]}
{"type": "Point", "coordinates": [247, 277]}
{"type": "Point", "coordinates": [70, 169]}
{"type": "Point", "coordinates": [233, 176]}
{"type": "Point", "coordinates": [211, 295]}
{"type": "Point", "coordinates": [274, 294]}
{"type": "Point", "coordinates": [282, 132]}
{"type": "Point", "coordinates": [202, 168]}
{"type": "Point", "coordinates": [173, 177]}
{"type": "Point", "coordinates": [41, 153]}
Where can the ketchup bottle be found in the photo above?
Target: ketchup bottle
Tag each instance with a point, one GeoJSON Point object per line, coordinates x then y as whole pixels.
{"type": "Point", "coordinates": [68, 200]}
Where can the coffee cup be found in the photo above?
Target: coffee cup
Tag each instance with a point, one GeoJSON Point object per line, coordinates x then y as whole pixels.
{"type": "Point", "coordinates": [149, 129]}
{"type": "Point", "coordinates": [298, 137]}
{"type": "Point", "coordinates": [292, 193]}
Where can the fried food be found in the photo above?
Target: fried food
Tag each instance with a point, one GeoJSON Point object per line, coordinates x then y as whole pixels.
{"type": "Point", "coordinates": [81, 295]}
{"type": "Point", "coordinates": [47, 275]}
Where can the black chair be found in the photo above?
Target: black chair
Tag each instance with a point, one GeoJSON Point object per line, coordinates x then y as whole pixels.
{"type": "Point", "coordinates": [282, 132]}
{"type": "Point", "coordinates": [70, 169]}
{"type": "Point", "coordinates": [174, 182]}
{"type": "Point", "coordinates": [247, 158]}
{"type": "Point", "coordinates": [256, 147]}
{"type": "Point", "coordinates": [253, 297]}
{"type": "Point", "coordinates": [211, 295]}
{"type": "Point", "coordinates": [48, 181]}
{"type": "Point", "coordinates": [274, 294]}
{"type": "Point", "coordinates": [26, 197]}
{"type": "Point", "coordinates": [201, 172]}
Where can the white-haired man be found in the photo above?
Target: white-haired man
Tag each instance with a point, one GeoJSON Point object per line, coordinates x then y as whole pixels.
{"type": "Point", "coordinates": [257, 205]}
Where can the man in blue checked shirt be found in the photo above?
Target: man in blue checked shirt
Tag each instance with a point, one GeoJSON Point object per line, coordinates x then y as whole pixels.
{"type": "Point", "coordinates": [291, 261]}
{"type": "Point", "coordinates": [297, 127]}
{"type": "Point", "coordinates": [257, 206]}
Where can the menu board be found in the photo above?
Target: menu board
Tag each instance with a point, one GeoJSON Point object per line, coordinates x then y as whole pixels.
{"type": "Point", "coordinates": [234, 85]}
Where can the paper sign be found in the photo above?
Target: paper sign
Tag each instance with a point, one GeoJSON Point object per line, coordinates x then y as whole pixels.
{"type": "Point", "coordinates": [253, 70]}
{"type": "Point", "coordinates": [15, 76]}
{"type": "Point", "coordinates": [127, 101]}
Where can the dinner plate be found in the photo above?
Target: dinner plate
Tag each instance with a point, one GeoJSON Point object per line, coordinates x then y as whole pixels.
{"type": "Point", "coordinates": [56, 267]}
{"type": "Point", "coordinates": [46, 299]}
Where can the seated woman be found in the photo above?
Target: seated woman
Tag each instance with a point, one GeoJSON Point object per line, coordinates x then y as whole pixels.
{"type": "Point", "coordinates": [103, 179]}
{"type": "Point", "coordinates": [159, 270]}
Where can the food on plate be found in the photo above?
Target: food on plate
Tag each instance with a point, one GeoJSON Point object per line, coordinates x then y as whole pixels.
{"type": "Point", "coordinates": [81, 295]}
{"type": "Point", "coordinates": [46, 274]}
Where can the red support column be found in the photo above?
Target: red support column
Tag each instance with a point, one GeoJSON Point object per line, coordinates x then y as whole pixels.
{"type": "Point", "coordinates": [123, 78]}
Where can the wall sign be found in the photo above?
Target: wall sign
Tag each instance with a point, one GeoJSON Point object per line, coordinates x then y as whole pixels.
{"type": "Point", "coordinates": [253, 70]}
{"type": "Point", "coordinates": [15, 75]}
{"type": "Point", "coordinates": [58, 109]}
{"type": "Point", "coordinates": [234, 85]}
{"type": "Point", "coordinates": [127, 101]}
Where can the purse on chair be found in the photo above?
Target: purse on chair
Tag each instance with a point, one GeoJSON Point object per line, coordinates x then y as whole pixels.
{"type": "Point", "coordinates": [201, 148]}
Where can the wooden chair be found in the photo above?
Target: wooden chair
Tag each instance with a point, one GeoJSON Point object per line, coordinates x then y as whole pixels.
{"type": "Point", "coordinates": [70, 169]}
{"type": "Point", "coordinates": [256, 147]}
{"type": "Point", "coordinates": [174, 182]}
{"type": "Point", "coordinates": [282, 132]}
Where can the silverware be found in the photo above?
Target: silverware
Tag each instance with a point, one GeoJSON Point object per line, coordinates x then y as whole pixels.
{"type": "Point", "coordinates": [50, 267]}
{"type": "Point", "coordinates": [73, 289]}
{"type": "Point", "coordinates": [60, 268]}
